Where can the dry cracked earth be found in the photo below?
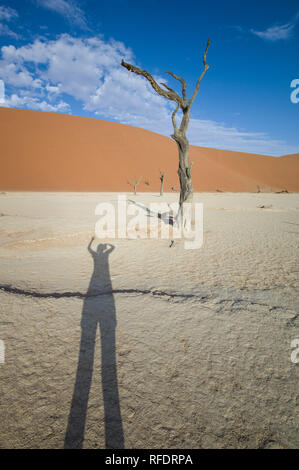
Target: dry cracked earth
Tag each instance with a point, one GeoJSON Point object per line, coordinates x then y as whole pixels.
{"type": "Point", "coordinates": [131, 343]}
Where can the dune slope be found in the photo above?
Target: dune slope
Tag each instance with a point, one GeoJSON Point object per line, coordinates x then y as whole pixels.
{"type": "Point", "coordinates": [54, 152]}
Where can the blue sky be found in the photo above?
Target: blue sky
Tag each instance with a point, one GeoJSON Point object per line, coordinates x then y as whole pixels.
{"type": "Point", "coordinates": [64, 56]}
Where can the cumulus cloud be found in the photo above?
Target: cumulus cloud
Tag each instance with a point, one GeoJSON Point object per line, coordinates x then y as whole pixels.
{"type": "Point", "coordinates": [69, 9]}
{"type": "Point", "coordinates": [30, 102]}
{"type": "Point", "coordinates": [78, 68]}
{"type": "Point", "coordinates": [45, 75]}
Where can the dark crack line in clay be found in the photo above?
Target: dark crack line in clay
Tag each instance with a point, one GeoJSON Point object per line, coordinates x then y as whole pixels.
{"type": "Point", "coordinates": [155, 293]}
{"type": "Point", "coordinates": [58, 295]}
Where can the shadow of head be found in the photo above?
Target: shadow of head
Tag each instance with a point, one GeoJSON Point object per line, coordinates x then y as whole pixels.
{"type": "Point", "coordinates": [104, 248]}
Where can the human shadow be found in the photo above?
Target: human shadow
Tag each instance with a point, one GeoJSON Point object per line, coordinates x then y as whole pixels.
{"type": "Point", "coordinates": [98, 310]}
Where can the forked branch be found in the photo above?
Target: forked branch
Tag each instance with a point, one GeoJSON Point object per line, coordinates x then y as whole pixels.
{"type": "Point", "coordinates": [167, 87]}
{"type": "Point", "coordinates": [175, 127]}
{"type": "Point", "coordinates": [206, 67]}
{"type": "Point", "coordinates": [179, 135]}
{"type": "Point", "coordinates": [183, 85]}
{"type": "Point", "coordinates": [170, 94]}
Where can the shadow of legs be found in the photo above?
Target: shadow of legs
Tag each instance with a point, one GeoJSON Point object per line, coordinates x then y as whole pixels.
{"type": "Point", "coordinates": [76, 422]}
{"type": "Point", "coordinates": [113, 423]}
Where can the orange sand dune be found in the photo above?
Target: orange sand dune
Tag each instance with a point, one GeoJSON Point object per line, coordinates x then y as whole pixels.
{"type": "Point", "coordinates": [53, 152]}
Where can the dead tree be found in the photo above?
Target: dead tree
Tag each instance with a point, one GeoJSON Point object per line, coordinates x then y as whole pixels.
{"type": "Point", "coordinates": [179, 135]}
{"type": "Point", "coordinates": [134, 184]}
{"type": "Point", "coordinates": [162, 176]}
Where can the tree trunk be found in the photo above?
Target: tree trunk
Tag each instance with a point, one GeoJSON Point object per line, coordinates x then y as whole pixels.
{"type": "Point", "coordinates": [179, 135]}
{"type": "Point", "coordinates": [162, 184]}
{"type": "Point", "coordinates": [184, 170]}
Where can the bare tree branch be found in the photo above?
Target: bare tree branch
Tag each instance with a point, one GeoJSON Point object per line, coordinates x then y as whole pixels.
{"type": "Point", "coordinates": [135, 184]}
{"type": "Point", "coordinates": [171, 95]}
{"type": "Point", "coordinates": [183, 84]}
{"type": "Point", "coordinates": [136, 181]}
{"type": "Point", "coordinates": [206, 67]}
{"type": "Point", "coordinates": [179, 135]}
{"type": "Point", "coordinates": [167, 87]}
{"type": "Point", "coordinates": [175, 127]}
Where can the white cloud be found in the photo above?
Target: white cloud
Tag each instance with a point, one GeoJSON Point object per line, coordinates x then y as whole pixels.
{"type": "Point", "coordinates": [208, 133]}
{"type": "Point", "coordinates": [67, 8]}
{"type": "Point", "coordinates": [126, 97]}
{"type": "Point", "coordinates": [6, 15]}
{"type": "Point", "coordinates": [15, 101]}
{"type": "Point", "coordinates": [43, 74]}
{"type": "Point", "coordinates": [53, 90]}
{"type": "Point", "coordinates": [42, 71]}
{"type": "Point", "coordinates": [78, 65]}
{"type": "Point", "coordinates": [277, 32]}
{"type": "Point", "coordinates": [6, 31]}
{"type": "Point", "coordinates": [18, 76]}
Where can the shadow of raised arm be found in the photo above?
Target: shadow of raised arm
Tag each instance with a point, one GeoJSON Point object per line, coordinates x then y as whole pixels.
{"type": "Point", "coordinates": [91, 251]}
{"type": "Point", "coordinates": [110, 248]}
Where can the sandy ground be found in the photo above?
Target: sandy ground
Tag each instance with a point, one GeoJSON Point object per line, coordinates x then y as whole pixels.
{"type": "Point", "coordinates": [140, 345]}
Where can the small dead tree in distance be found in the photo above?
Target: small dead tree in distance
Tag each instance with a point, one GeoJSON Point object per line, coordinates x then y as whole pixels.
{"type": "Point", "coordinates": [179, 135]}
{"type": "Point", "coordinates": [162, 176]}
{"type": "Point", "coordinates": [134, 184]}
